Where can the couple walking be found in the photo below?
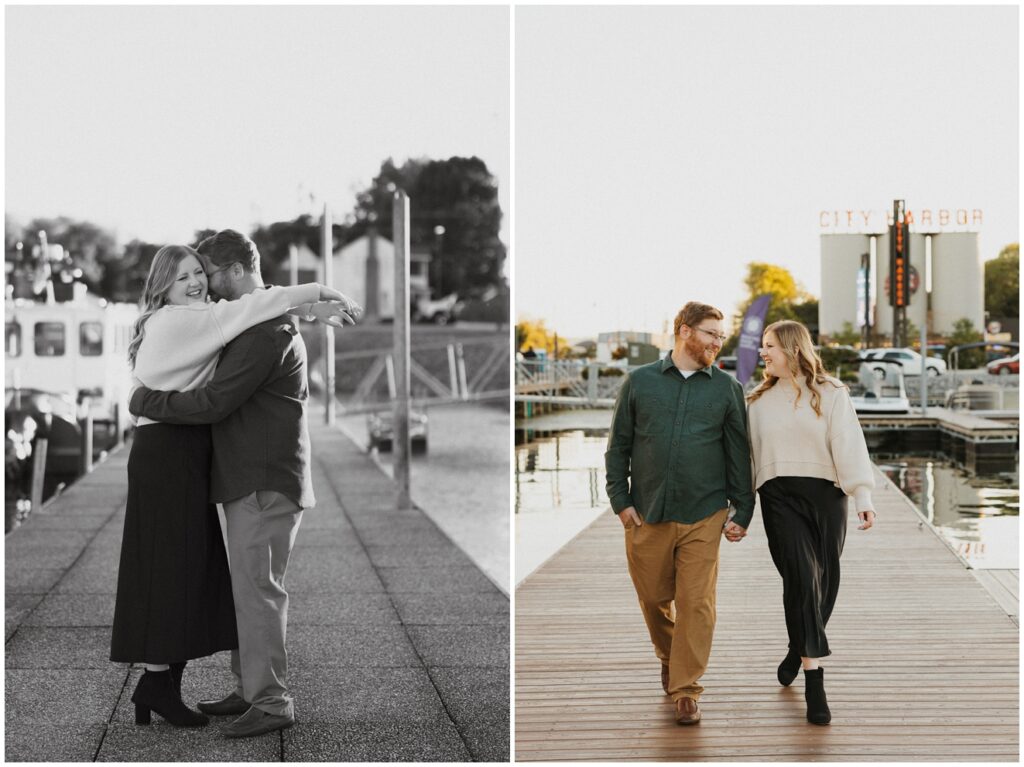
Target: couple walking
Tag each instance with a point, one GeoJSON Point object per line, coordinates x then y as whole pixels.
{"type": "Point", "coordinates": [238, 364]}
{"type": "Point", "coordinates": [680, 450]}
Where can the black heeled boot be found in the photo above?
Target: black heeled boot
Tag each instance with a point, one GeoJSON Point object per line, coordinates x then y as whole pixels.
{"type": "Point", "coordinates": [155, 692]}
{"type": "Point", "coordinates": [814, 692]}
{"type": "Point", "coordinates": [788, 669]}
{"type": "Point", "coordinates": [177, 670]}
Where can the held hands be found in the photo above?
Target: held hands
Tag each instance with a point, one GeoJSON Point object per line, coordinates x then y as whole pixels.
{"type": "Point", "coordinates": [347, 304]}
{"type": "Point", "coordinates": [867, 519]}
{"type": "Point", "coordinates": [734, 532]}
{"type": "Point", "coordinates": [628, 517]}
{"type": "Point", "coordinates": [331, 313]}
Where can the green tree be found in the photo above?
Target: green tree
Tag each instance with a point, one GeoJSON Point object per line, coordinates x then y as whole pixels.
{"type": "Point", "coordinates": [848, 336]}
{"type": "Point", "coordinates": [789, 300]}
{"type": "Point", "coordinates": [1002, 283]}
{"type": "Point", "coordinates": [964, 332]}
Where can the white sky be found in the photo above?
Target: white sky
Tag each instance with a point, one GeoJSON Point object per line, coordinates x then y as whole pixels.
{"type": "Point", "coordinates": [158, 121]}
{"type": "Point", "coordinates": [660, 149]}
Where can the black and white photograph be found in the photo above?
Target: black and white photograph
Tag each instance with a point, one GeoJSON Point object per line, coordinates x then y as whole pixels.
{"type": "Point", "coordinates": [257, 378]}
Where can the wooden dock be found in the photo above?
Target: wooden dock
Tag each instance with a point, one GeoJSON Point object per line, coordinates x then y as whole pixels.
{"type": "Point", "coordinates": [964, 424]}
{"type": "Point", "coordinates": [924, 664]}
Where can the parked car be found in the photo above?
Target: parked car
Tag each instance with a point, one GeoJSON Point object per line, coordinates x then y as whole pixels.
{"type": "Point", "coordinates": [1005, 366]}
{"type": "Point", "coordinates": [380, 427]}
{"type": "Point", "coordinates": [908, 358]}
{"type": "Point", "coordinates": [442, 311]}
{"type": "Point", "coordinates": [729, 363]}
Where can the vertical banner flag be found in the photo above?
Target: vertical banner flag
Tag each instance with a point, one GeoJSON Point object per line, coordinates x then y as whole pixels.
{"type": "Point", "coordinates": [750, 338]}
{"type": "Point", "coordinates": [899, 261]}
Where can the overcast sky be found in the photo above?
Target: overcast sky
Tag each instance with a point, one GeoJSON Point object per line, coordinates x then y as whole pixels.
{"type": "Point", "coordinates": [158, 121]}
{"type": "Point", "coordinates": [660, 149]}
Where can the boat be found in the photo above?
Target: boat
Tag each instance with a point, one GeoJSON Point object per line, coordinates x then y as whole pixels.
{"type": "Point", "coordinates": [66, 371]}
{"type": "Point", "coordinates": [76, 348]}
{"type": "Point", "coordinates": [881, 389]}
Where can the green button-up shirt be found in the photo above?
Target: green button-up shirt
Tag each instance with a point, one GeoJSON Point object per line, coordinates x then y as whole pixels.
{"type": "Point", "coordinates": [678, 448]}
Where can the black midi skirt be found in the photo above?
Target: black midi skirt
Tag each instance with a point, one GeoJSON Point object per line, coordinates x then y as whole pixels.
{"type": "Point", "coordinates": [173, 587]}
{"type": "Point", "coordinates": [805, 522]}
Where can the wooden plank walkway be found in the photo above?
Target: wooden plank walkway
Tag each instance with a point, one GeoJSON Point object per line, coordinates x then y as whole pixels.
{"type": "Point", "coordinates": [924, 664]}
{"type": "Point", "coordinates": [1004, 586]}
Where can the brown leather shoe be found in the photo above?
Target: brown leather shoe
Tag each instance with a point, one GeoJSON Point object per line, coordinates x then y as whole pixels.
{"type": "Point", "coordinates": [687, 711]}
{"type": "Point", "coordinates": [664, 678]}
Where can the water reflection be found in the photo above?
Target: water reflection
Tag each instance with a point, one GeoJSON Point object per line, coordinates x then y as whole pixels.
{"type": "Point", "coordinates": [561, 470]}
{"type": "Point", "coordinates": [977, 514]}
{"type": "Point", "coordinates": [559, 490]}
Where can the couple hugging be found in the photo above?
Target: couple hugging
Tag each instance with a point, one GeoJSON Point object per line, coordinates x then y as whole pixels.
{"type": "Point", "coordinates": [220, 394]}
{"type": "Point", "coordinates": [684, 445]}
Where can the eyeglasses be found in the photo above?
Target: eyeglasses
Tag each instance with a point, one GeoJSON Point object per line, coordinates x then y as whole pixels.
{"type": "Point", "coordinates": [717, 336]}
{"type": "Point", "coordinates": [212, 272]}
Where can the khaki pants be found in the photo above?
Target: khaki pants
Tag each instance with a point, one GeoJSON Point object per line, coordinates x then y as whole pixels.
{"type": "Point", "coordinates": [674, 565]}
{"type": "Point", "coordinates": [261, 531]}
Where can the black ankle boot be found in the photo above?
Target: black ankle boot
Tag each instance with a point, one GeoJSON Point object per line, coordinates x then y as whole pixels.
{"type": "Point", "coordinates": [788, 669]}
{"type": "Point", "coordinates": [155, 692]}
{"type": "Point", "coordinates": [177, 669]}
{"type": "Point", "coordinates": [814, 692]}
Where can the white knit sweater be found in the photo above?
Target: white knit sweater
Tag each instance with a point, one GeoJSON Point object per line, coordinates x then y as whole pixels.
{"type": "Point", "coordinates": [795, 442]}
{"type": "Point", "coordinates": [183, 342]}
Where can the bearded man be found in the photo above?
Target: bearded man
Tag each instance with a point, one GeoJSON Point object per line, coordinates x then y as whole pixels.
{"type": "Point", "coordinates": [677, 456]}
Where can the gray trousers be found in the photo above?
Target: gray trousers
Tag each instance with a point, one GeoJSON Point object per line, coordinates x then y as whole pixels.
{"type": "Point", "coordinates": [261, 531]}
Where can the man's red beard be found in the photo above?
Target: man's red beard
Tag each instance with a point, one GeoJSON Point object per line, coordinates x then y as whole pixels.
{"type": "Point", "coordinates": [699, 351]}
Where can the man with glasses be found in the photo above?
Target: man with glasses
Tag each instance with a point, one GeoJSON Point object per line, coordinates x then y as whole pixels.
{"type": "Point", "coordinates": [256, 402]}
{"type": "Point", "coordinates": [677, 456]}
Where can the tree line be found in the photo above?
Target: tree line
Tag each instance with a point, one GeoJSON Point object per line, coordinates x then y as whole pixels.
{"type": "Point", "coordinates": [454, 214]}
{"type": "Point", "coordinates": [790, 301]}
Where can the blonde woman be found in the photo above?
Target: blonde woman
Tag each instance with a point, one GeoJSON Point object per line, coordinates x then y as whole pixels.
{"type": "Point", "coordinates": [809, 456]}
{"type": "Point", "coordinates": [174, 600]}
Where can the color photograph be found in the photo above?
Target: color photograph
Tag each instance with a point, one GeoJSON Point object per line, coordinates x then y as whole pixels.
{"type": "Point", "coordinates": [766, 283]}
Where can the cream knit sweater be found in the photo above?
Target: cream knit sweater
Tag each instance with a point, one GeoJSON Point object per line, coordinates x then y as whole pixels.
{"type": "Point", "coordinates": [183, 342]}
{"type": "Point", "coordinates": [795, 442]}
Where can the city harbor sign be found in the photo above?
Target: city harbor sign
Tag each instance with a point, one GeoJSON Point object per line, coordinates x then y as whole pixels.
{"type": "Point", "coordinates": [923, 220]}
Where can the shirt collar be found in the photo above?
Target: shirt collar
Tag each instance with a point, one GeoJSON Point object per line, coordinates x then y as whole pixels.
{"type": "Point", "coordinates": [667, 363]}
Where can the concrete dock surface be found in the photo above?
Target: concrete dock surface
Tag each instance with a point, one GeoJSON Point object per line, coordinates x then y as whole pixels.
{"type": "Point", "coordinates": [398, 643]}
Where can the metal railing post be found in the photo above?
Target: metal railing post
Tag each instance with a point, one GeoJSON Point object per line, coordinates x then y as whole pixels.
{"type": "Point", "coordinates": [85, 424]}
{"type": "Point", "coordinates": [327, 249]}
{"type": "Point", "coordinates": [924, 368]}
{"type": "Point", "coordinates": [38, 474]}
{"type": "Point", "coordinates": [402, 444]}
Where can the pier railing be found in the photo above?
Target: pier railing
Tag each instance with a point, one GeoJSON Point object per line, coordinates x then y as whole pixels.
{"type": "Point", "coordinates": [443, 373]}
{"type": "Point", "coordinates": [585, 383]}
{"type": "Point", "coordinates": [569, 382]}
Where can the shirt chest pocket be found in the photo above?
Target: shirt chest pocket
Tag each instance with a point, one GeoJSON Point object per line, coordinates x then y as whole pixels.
{"type": "Point", "coordinates": [651, 418]}
{"type": "Point", "coordinates": [705, 416]}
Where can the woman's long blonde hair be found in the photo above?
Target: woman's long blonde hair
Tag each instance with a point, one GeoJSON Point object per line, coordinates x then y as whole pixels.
{"type": "Point", "coordinates": [795, 341]}
{"type": "Point", "coordinates": [161, 276]}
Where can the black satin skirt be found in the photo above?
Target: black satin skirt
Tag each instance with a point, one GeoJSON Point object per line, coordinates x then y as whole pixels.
{"type": "Point", "coordinates": [805, 521]}
{"type": "Point", "coordinates": [173, 586]}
